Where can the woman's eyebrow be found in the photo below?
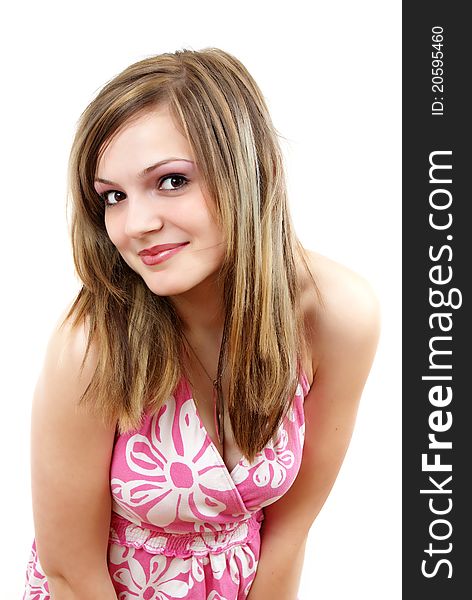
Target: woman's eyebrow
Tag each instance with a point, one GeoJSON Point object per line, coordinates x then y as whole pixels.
{"type": "Point", "coordinates": [147, 170]}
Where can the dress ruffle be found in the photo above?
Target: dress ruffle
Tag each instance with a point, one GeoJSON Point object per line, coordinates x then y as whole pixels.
{"type": "Point", "coordinates": [129, 534]}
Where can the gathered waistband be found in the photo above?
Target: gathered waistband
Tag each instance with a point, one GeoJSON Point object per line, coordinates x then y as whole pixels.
{"type": "Point", "coordinates": [182, 545]}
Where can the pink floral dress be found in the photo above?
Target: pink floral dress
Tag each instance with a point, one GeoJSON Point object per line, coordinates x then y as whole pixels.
{"type": "Point", "coordinates": [183, 525]}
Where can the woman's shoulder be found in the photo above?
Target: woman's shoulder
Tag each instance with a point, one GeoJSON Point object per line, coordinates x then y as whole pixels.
{"type": "Point", "coordinates": [335, 280]}
{"type": "Point", "coordinates": [345, 311]}
{"type": "Point", "coordinates": [72, 333]}
{"type": "Point", "coordinates": [68, 356]}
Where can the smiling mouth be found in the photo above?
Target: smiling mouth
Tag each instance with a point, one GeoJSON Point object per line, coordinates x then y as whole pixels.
{"type": "Point", "coordinates": [156, 258]}
{"type": "Point", "coordinates": [159, 248]}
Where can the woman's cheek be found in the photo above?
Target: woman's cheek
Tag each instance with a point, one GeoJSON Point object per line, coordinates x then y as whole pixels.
{"type": "Point", "coordinates": [113, 231]}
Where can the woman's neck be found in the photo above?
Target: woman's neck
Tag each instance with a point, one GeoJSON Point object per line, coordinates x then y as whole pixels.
{"type": "Point", "coordinates": [201, 311]}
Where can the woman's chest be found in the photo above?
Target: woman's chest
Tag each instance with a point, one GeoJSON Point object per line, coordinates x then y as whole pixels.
{"type": "Point", "coordinates": [217, 427]}
{"type": "Point", "coordinates": [171, 475]}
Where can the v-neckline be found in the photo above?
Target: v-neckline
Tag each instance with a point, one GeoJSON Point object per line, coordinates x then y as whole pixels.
{"type": "Point", "coordinates": [189, 393]}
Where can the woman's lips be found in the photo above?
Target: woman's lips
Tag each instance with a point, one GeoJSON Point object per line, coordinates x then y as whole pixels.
{"type": "Point", "coordinates": [159, 248]}
{"type": "Point", "coordinates": [155, 259]}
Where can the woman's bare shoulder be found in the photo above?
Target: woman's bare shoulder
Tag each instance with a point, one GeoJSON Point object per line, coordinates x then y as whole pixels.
{"type": "Point", "coordinates": [68, 369]}
{"type": "Point", "coordinates": [349, 307]}
{"type": "Point", "coordinates": [67, 363]}
{"type": "Point", "coordinates": [335, 279]}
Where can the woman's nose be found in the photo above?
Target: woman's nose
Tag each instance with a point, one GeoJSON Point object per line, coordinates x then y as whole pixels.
{"type": "Point", "coordinates": [142, 216]}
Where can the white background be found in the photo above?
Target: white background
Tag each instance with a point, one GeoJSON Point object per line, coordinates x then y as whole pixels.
{"type": "Point", "coordinates": [330, 72]}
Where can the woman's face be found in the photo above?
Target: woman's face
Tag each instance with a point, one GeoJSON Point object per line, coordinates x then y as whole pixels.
{"type": "Point", "coordinates": [152, 194]}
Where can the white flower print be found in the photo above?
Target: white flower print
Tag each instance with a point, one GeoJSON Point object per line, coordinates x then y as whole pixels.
{"type": "Point", "coordinates": [277, 460]}
{"type": "Point", "coordinates": [301, 434]}
{"type": "Point", "coordinates": [119, 554]}
{"type": "Point", "coordinates": [162, 583]}
{"type": "Point", "coordinates": [270, 465]}
{"type": "Point", "coordinates": [248, 588]}
{"type": "Point", "coordinates": [180, 459]}
{"type": "Point", "coordinates": [130, 493]}
{"type": "Point", "coordinates": [242, 472]}
{"type": "Point", "coordinates": [37, 583]}
{"type": "Point", "coordinates": [215, 527]}
{"type": "Point", "coordinates": [291, 412]}
{"type": "Point", "coordinates": [233, 567]}
{"type": "Point", "coordinates": [214, 595]}
{"type": "Point", "coordinates": [247, 559]}
{"type": "Point", "coordinates": [217, 563]}
{"type": "Point", "coordinates": [212, 540]}
{"type": "Point", "coordinates": [197, 573]}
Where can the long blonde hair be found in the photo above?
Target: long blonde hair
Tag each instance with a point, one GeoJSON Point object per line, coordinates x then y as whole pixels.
{"type": "Point", "coordinates": [218, 106]}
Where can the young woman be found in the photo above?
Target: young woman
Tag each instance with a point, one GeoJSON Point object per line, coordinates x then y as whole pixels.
{"type": "Point", "coordinates": [198, 397]}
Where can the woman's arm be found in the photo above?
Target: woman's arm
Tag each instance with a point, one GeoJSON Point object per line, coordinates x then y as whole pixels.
{"type": "Point", "coordinates": [70, 461]}
{"type": "Point", "coordinates": [347, 335]}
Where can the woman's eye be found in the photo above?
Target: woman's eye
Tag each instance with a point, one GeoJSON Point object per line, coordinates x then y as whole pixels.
{"type": "Point", "coordinates": [168, 183]}
{"type": "Point", "coordinates": [173, 182]}
{"type": "Point", "coordinates": [112, 197]}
